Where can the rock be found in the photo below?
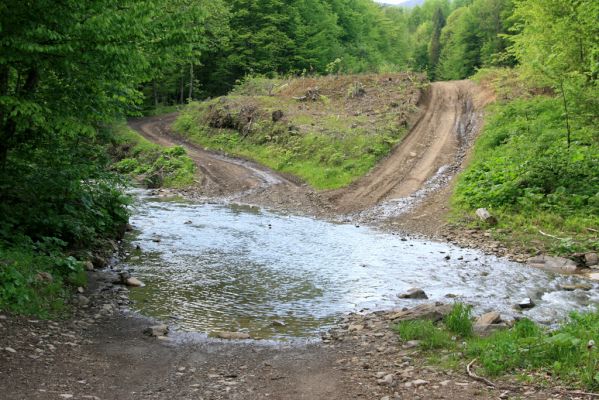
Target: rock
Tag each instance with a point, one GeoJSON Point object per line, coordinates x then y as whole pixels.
{"type": "Point", "coordinates": [278, 323]}
{"type": "Point", "coordinates": [66, 396]}
{"type": "Point", "coordinates": [489, 318]}
{"type": "Point", "coordinates": [80, 289]}
{"type": "Point", "coordinates": [277, 115]}
{"type": "Point", "coordinates": [594, 276]}
{"type": "Point", "coordinates": [433, 312]}
{"type": "Point", "coordinates": [553, 264]}
{"type": "Point", "coordinates": [485, 330]}
{"type": "Point", "coordinates": [484, 215]}
{"type": "Point", "coordinates": [99, 262]}
{"type": "Point", "coordinates": [10, 349]}
{"type": "Point", "coordinates": [3, 317]}
{"type": "Point", "coordinates": [134, 282]}
{"type": "Point", "coordinates": [386, 380]}
{"type": "Point", "coordinates": [82, 301]}
{"type": "Point", "coordinates": [411, 344]}
{"type": "Point", "coordinates": [156, 240]}
{"type": "Point", "coordinates": [124, 275]}
{"type": "Point", "coordinates": [525, 303]}
{"type": "Point", "coordinates": [157, 330]}
{"type": "Point", "coordinates": [414, 293]}
{"type": "Point", "coordinates": [581, 286]}
{"type": "Point", "coordinates": [44, 277]}
{"type": "Point", "coordinates": [233, 335]}
{"type": "Point", "coordinates": [591, 259]}
{"type": "Point", "coordinates": [419, 382]}
{"type": "Point", "coordinates": [89, 266]}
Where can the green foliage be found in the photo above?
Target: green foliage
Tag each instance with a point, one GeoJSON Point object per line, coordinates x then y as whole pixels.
{"type": "Point", "coordinates": [523, 171]}
{"type": "Point", "coordinates": [556, 45]}
{"type": "Point", "coordinates": [149, 163]}
{"type": "Point", "coordinates": [459, 320]}
{"type": "Point", "coordinates": [305, 37]}
{"type": "Point", "coordinates": [426, 332]}
{"type": "Point", "coordinates": [562, 353]}
{"type": "Point", "coordinates": [35, 278]}
{"type": "Point", "coordinates": [327, 152]}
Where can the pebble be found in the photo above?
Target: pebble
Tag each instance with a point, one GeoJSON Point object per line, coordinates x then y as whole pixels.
{"type": "Point", "coordinates": [2, 317]}
{"type": "Point", "coordinates": [66, 396]}
{"type": "Point", "coordinates": [386, 380]}
{"type": "Point", "coordinates": [10, 349]}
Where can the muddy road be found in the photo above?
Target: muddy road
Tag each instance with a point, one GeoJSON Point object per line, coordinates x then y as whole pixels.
{"type": "Point", "coordinates": [451, 113]}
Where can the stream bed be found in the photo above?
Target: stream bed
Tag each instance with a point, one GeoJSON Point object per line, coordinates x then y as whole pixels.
{"type": "Point", "coordinates": [224, 267]}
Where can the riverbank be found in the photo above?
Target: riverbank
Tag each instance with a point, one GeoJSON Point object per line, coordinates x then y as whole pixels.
{"type": "Point", "coordinates": [102, 353]}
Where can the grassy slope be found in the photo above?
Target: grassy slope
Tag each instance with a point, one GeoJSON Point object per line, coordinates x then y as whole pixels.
{"type": "Point", "coordinates": [533, 353]}
{"type": "Point", "coordinates": [352, 123]}
{"type": "Point", "coordinates": [523, 172]}
{"type": "Point", "coordinates": [149, 163]}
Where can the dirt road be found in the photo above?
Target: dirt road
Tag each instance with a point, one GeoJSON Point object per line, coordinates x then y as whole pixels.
{"type": "Point", "coordinates": [447, 122]}
{"type": "Point", "coordinates": [101, 352]}
{"type": "Point", "coordinates": [450, 116]}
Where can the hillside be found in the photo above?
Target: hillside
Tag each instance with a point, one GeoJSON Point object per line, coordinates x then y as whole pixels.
{"type": "Point", "coordinates": [327, 131]}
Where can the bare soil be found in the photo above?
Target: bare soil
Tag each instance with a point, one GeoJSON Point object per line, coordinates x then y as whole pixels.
{"type": "Point", "coordinates": [100, 352]}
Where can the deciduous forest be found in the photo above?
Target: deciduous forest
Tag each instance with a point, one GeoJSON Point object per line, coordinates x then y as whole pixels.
{"type": "Point", "coordinates": [73, 72]}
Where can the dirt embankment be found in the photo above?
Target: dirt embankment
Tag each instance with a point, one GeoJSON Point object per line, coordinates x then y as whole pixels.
{"type": "Point", "coordinates": [420, 166]}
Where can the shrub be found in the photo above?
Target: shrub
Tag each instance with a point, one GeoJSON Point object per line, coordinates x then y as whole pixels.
{"type": "Point", "coordinates": [459, 320]}
{"type": "Point", "coordinates": [426, 332]}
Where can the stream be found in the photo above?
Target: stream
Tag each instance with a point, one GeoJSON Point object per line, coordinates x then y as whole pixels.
{"type": "Point", "coordinates": [225, 267]}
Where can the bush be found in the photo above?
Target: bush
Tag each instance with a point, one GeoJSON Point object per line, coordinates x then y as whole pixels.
{"type": "Point", "coordinates": [524, 173]}
{"type": "Point", "coordinates": [459, 320]}
{"type": "Point", "coordinates": [562, 353]}
{"type": "Point", "coordinates": [426, 332]}
{"type": "Point", "coordinates": [149, 163]}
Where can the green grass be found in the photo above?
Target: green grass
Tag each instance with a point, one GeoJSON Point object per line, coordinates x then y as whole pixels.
{"type": "Point", "coordinates": [544, 356]}
{"type": "Point", "coordinates": [524, 173]}
{"type": "Point", "coordinates": [459, 320]}
{"type": "Point", "coordinates": [327, 159]}
{"type": "Point", "coordinates": [424, 331]}
{"type": "Point", "coordinates": [24, 291]}
{"type": "Point", "coordinates": [151, 164]}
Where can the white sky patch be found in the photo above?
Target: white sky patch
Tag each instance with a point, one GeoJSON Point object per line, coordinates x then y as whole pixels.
{"type": "Point", "coordinates": [390, 1]}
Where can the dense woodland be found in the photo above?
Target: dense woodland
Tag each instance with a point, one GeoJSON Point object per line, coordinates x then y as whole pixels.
{"type": "Point", "coordinates": [70, 69]}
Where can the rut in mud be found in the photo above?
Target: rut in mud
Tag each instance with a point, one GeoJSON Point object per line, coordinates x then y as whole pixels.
{"type": "Point", "coordinates": [449, 119]}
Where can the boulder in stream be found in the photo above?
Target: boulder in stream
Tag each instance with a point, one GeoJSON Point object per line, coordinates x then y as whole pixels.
{"type": "Point", "coordinates": [434, 312]}
{"type": "Point", "coordinates": [553, 264]}
{"type": "Point", "coordinates": [525, 304]}
{"type": "Point", "coordinates": [413, 293]}
{"type": "Point", "coordinates": [233, 335]}
{"type": "Point", "coordinates": [157, 330]}
{"type": "Point", "coordinates": [591, 259]}
{"type": "Point", "coordinates": [133, 282]}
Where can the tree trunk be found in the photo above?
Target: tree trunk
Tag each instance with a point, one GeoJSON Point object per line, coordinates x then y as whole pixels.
{"type": "Point", "coordinates": [190, 81]}
{"type": "Point", "coordinates": [182, 87]}
{"type": "Point", "coordinates": [155, 92]}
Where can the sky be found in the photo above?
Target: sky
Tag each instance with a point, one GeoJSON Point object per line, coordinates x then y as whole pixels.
{"type": "Point", "coordinates": [391, 1]}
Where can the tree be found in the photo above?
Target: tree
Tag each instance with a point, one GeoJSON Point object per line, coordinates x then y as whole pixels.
{"type": "Point", "coordinates": [434, 49]}
{"type": "Point", "coordinates": [556, 43]}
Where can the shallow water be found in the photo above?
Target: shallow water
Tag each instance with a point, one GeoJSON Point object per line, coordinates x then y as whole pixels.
{"type": "Point", "coordinates": [215, 267]}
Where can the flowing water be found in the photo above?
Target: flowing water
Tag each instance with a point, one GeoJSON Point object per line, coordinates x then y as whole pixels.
{"type": "Point", "coordinates": [216, 267]}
